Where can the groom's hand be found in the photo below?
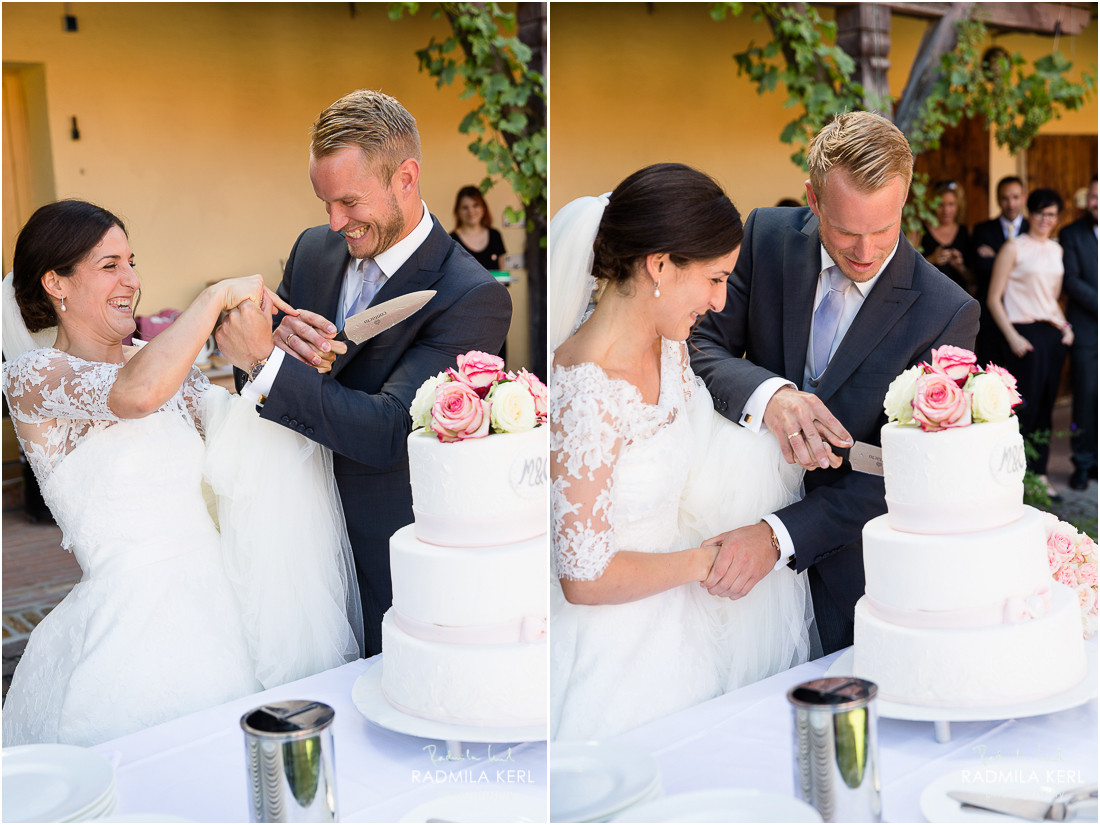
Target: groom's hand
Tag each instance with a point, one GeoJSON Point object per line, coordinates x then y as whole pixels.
{"type": "Point", "coordinates": [308, 337]}
{"type": "Point", "coordinates": [804, 428]}
{"type": "Point", "coordinates": [746, 556]}
{"type": "Point", "coordinates": [244, 335]}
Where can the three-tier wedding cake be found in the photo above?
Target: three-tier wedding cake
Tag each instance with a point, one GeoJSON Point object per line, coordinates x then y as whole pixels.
{"type": "Point", "coordinates": [465, 640]}
{"type": "Point", "coordinates": [960, 609]}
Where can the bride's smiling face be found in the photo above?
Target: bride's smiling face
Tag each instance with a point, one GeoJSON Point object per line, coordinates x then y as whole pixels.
{"type": "Point", "coordinates": [100, 293]}
{"type": "Point", "coordinates": [689, 292]}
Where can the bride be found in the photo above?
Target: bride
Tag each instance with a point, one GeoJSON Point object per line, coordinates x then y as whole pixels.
{"type": "Point", "coordinates": [185, 602]}
{"type": "Point", "coordinates": [645, 475]}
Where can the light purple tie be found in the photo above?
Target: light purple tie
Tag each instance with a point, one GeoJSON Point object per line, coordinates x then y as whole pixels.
{"type": "Point", "coordinates": [827, 319]}
{"type": "Point", "coordinates": [372, 275]}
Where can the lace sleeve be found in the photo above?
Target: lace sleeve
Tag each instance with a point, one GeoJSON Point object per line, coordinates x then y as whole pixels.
{"type": "Point", "coordinates": [585, 441]}
{"type": "Point", "coordinates": [56, 400]}
{"type": "Point", "coordinates": [194, 390]}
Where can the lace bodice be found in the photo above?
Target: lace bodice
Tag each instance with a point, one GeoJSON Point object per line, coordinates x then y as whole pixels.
{"type": "Point", "coordinates": [58, 400]}
{"type": "Point", "coordinates": [619, 464]}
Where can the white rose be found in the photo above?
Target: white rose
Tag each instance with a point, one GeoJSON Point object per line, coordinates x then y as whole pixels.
{"type": "Point", "coordinates": [424, 400]}
{"type": "Point", "coordinates": [989, 397]}
{"type": "Point", "coordinates": [511, 408]}
{"type": "Point", "coordinates": [899, 397]}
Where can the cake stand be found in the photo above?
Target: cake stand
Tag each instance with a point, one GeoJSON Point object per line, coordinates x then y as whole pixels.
{"type": "Point", "coordinates": [367, 696]}
{"type": "Point", "coordinates": [941, 718]}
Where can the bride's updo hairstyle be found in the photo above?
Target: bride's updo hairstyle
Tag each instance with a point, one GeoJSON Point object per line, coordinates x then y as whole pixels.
{"type": "Point", "coordinates": [667, 207]}
{"type": "Point", "coordinates": [58, 236]}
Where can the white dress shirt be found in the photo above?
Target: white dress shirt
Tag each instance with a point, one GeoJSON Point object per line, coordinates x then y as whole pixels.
{"type": "Point", "coordinates": [752, 417]}
{"type": "Point", "coordinates": [389, 261]}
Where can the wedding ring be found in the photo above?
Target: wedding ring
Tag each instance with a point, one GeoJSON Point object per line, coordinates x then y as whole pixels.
{"type": "Point", "coordinates": [792, 435]}
{"type": "Point", "coordinates": [292, 335]}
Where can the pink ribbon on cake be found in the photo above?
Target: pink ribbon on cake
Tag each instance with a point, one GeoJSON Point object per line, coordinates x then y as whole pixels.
{"type": "Point", "coordinates": [528, 630]}
{"type": "Point", "coordinates": [1012, 611]}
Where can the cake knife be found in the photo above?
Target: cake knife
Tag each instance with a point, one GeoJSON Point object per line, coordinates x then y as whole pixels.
{"type": "Point", "coordinates": [375, 319]}
{"type": "Point", "coordinates": [1056, 810]}
{"type": "Point", "coordinates": [864, 457]}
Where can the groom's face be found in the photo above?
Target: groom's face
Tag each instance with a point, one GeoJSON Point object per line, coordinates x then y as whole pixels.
{"type": "Point", "coordinates": [858, 229]}
{"type": "Point", "coordinates": [360, 204]}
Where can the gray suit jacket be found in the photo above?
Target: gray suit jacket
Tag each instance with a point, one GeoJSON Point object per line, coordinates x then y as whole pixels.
{"type": "Point", "coordinates": [361, 408]}
{"type": "Point", "coordinates": [912, 308]}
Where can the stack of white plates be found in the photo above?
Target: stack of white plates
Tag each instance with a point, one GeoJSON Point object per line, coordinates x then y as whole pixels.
{"type": "Point", "coordinates": [593, 781]}
{"type": "Point", "coordinates": [56, 783]}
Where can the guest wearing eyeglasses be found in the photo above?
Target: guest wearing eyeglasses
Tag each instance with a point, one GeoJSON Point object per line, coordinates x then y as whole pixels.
{"type": "Point", "coordinates": [1023, 300]}
{"type": "Point", "coordinates": [946, 243]}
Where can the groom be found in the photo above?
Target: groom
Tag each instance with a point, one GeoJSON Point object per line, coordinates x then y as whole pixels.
{"type": "Point", "coordinates": [381, 242]}
{"type": "Point", "coordinates": [826, 306]}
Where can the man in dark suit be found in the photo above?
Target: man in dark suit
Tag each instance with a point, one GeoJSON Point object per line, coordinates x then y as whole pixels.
{"type": "Point", "coordinates": [1079, 253]}
{"type": "Point", "coordinates": [834, 285]}
{"type": "Point", "coordinates": [986, 241]}
{"type": "Point", "coordinates": [381, 242]}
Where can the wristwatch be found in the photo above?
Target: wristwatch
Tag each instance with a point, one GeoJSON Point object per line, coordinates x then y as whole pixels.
{"type": "Point", "coordinates": [775, 541]}
{"type": "Point", "coordinates": [254, 370]}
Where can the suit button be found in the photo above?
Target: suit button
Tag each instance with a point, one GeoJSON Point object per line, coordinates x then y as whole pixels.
{"type": "Point", "coordinates": [285, 420]}
{"type": "Point", "coordinates": [309, 430]}
{"type": "Point", "coordinates": [293, 422]}
{"type": "Point", "coordinates": [301, 428]}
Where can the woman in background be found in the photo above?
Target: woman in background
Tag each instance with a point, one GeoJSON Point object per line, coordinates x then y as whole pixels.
{"type": "Point", "coordinates": [945, 243]}
{"type": "Point", "coordinates": [474, 229]}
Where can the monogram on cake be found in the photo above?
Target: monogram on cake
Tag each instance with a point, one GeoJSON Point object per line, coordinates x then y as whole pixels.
{"type": "Point", "coordinates": [960, 609]}
{"type": "Point", "coordinates": [465, 640]}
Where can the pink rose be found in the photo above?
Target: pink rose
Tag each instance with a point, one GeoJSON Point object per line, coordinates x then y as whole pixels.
{"type": "Point", "coordinates": [1086, 574]}
{"type": "Point", "coordinates": [479, 370]}
{"type": "Point", "coordinates": [1060, 549]}
{"type": "Point", "coordinates": [459, 413]}
{"type": "Point", "coordinates": [1066, 576]}
{"type": "Point", "coordinates": [1086, 597]}
{"type": "Point", "coordinates": [1009, 381]}
{"type": "Point", "coordinates": [954, 362]}
{"type": "Point", "coordinates": [537, 390]}
{"type": "Point", "coordinates": [940, 403]}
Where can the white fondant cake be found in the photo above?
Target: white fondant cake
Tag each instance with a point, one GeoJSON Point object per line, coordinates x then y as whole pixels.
{"type": "Point", "coordinates": [480, 491]}
{"type": "Point", "coordinates": [960, 609]}
{"type": "Point", "coordinates": [953, 481]}
{"type": "Point", "coordinates": [465, 640]}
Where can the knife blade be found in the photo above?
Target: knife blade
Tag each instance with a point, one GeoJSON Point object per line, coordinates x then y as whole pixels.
{"type": "Point", "coordinates": [375, 319]}
{"type": "Point", "coordinates": [864, 457]}
{"type": "Point", "coordinates": [1031, 809]}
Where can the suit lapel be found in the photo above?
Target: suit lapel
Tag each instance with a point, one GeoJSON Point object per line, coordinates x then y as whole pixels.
{"type": "Point", "coordinates": [803, 247]}
{"type": "Point", "coordinates": [421, 271]}
{"type": "Point", "coordinates": [334, 259]}
{"type": "Point", "coordinates": [888, 301]}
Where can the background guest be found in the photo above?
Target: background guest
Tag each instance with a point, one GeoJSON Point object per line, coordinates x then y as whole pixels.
{"type": "Point", "coordinates": [1023, 300]}
{"type": "Point", "coordinates": [474, 228]}
{"type": "Point", "coordinates": [1079, 254]}
{"type": "Point", "coordinates": [987, 239]}
{"type": "Point", "coordinates": [946, 244]}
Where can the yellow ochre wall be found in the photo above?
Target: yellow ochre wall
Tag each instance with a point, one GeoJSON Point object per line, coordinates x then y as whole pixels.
{"type": "Point", "coordinates": [194, 122]}
{"type": "Point", "coordinates": [639, 83]}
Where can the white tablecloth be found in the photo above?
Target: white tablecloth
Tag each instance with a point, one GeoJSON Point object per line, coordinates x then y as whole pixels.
{"type": "Point", "coordinates": [194, 767]}
{"type": "Point", "coordinates": [744, 740]}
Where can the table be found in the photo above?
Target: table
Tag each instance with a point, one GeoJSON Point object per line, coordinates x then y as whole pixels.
{"type": "Point", "coordinates": [194, 767]}
{"type": "Point", "coordinates": [744, 740]}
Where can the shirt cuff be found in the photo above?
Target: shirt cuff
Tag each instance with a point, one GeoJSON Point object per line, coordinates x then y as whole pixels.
{"type": "Point", "coordinates": [257, 391]}
{"type": "Point", "coordinates": [752, 418]}
{"type": "Point", "coordinates": [786, 546]}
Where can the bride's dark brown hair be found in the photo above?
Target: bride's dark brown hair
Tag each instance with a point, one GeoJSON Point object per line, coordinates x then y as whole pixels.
{"type": "Point", "coordinates": [667, 207]}
{"type": "Point", "coordinates": [58, 236]}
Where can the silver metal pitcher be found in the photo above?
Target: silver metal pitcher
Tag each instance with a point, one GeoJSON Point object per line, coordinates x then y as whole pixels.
{"type": "Point", "coordinates": [291, 773]}
{"type": "Point", "coordinates": [836, 748]}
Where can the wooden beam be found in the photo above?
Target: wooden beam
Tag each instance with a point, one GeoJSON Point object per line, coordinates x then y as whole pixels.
{"type": "Point", "coordinates": [1035, 18]}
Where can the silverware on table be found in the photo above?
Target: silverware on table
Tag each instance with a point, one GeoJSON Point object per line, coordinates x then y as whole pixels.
{"type": "Point", "coordinates": [1057, 809]}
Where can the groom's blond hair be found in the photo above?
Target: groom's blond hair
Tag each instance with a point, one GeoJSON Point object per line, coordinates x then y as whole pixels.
{"type": "Point", "coordinates": [376, 123]}
{"type": "Point", "coordinates": [871, 149]}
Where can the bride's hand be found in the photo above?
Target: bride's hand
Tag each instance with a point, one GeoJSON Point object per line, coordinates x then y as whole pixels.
{"type": "Point", "coordinates": [235, 291]}
{"type": "Point", "coordinates": [745, 556]}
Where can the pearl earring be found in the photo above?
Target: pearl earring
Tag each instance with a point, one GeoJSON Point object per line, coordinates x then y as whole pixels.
{"type": "Point", "coordinates": [657, 289]}
{"type": "Point", "coordinates": [62, 303]}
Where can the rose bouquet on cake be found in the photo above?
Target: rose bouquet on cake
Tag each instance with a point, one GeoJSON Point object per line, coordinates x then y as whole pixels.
{"type": "Point", "coordinates": [478, 397]}
{"type": "Point", "coordinates": [1072, 557]}
{"type": "Point", "coordinates": [950, 392]}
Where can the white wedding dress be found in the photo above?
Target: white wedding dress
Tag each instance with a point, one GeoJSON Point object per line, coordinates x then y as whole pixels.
{"type": "Point", "coordinates": [659, 478]}
{"type": "Point", "coordinates": [172, 615]}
